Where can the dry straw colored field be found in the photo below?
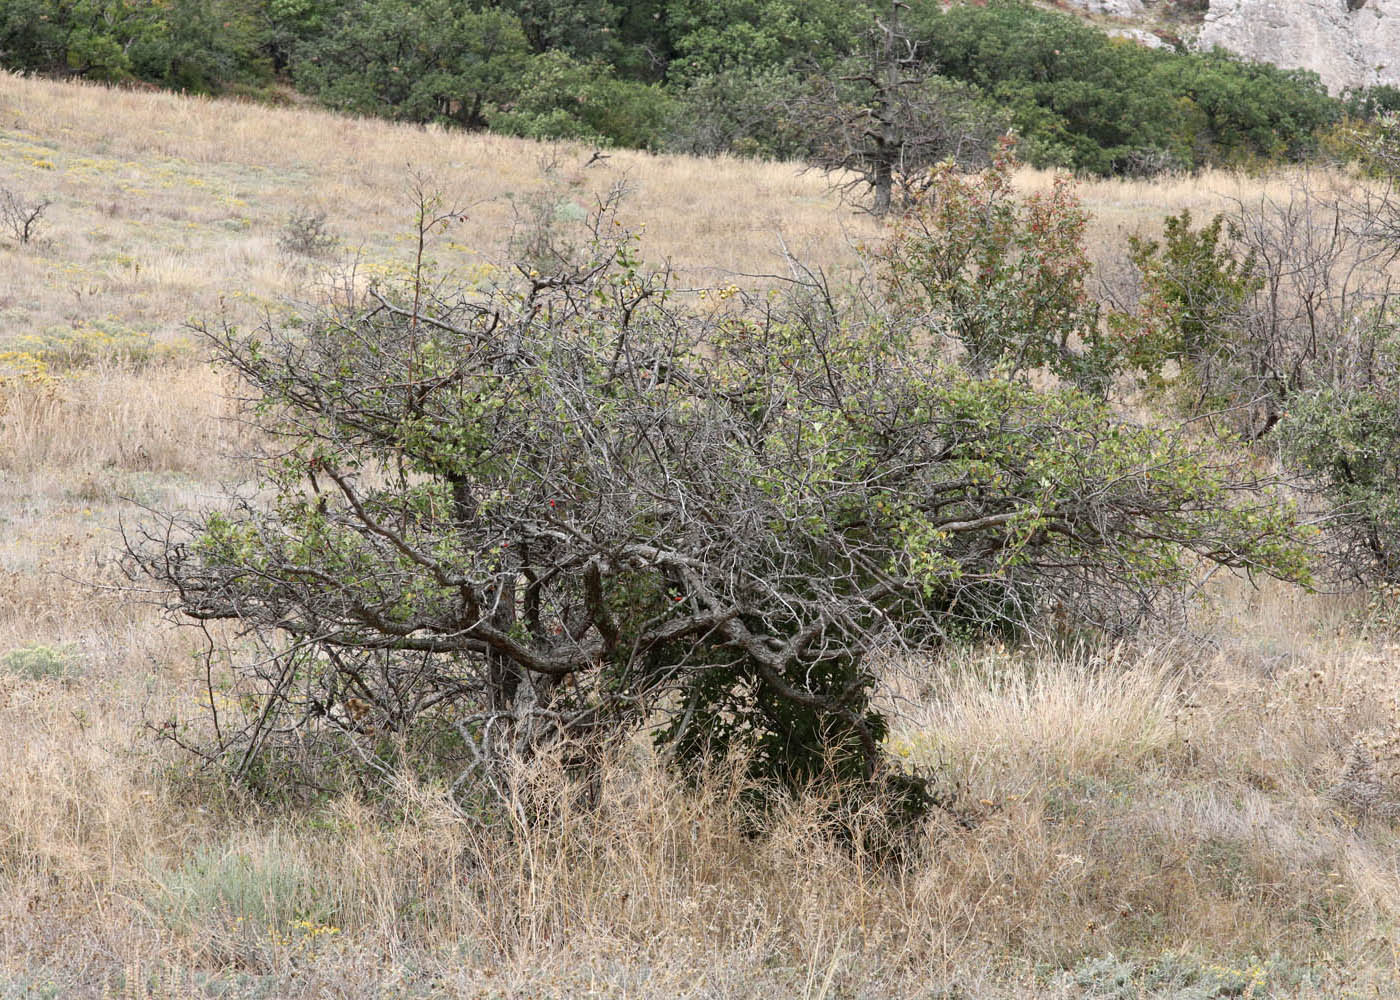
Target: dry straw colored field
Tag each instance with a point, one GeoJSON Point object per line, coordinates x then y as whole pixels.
{"type": "Point", "coordinates": [1161, 822]}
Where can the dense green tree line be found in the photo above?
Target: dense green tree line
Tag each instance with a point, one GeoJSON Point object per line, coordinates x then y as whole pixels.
{"type": "Point", "coordinates": [703, 76]}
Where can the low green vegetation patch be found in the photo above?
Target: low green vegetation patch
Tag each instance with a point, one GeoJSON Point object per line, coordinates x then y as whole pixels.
{"type": "Point", "coordinates": [1177, 976]}
{"type": "Point", "coordinates": [251, 891]}
{"type": "Point", "coordinates": [39, 662]}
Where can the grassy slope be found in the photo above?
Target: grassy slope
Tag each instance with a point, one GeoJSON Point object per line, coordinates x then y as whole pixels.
{"type": "Point", "coordinates": [1170, 802]}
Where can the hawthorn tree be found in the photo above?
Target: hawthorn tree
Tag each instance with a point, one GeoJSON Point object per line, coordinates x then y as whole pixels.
{"type": "Point", "coordinates": [579, 502]}
{"type": "Point", "coordinates": [884, 118]}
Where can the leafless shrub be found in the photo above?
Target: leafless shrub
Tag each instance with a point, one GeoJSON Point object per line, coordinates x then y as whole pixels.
{"type": "Point", "coordinates": [1275, 298]}
{"type": "Point", "coordinates": [20, 216]}
{"type": "Point", "coordinates": [548, 234]}
{"type": "Point", "coordinates": [1151, 162]}
{"type": "Point", "coordinates": [1324, 279]}
{"type": "Point", "coordinates": [1285, 316]}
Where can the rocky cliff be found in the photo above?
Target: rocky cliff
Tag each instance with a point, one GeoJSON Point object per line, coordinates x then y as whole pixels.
{"type": "Point", "coordinates": [1113, 8]}
{"type": "Point", "coordinates": [1349, 43]}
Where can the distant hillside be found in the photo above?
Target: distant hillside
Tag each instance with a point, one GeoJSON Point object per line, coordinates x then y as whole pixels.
{"type": "Point", "coordinates": [771, 79]}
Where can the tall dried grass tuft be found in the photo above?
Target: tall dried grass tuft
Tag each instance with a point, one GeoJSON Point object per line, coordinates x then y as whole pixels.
{"type": "Point", "coordinates": [166, 419]}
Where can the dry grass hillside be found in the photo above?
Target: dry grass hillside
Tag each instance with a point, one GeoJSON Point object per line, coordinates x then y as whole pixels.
{"type": "Point", "coordinates": [1210, 815]}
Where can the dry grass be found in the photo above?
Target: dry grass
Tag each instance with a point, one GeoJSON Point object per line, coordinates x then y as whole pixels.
{"type": "Point", "coordinates": [1149, 810]}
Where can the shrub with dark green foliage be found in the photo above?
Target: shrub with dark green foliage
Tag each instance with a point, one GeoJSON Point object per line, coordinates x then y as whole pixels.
{"type": "Point", "coordinates": [742, 112]}
{"type": "Point", "coordinates": [416, 60]}
{"type": "Point", "coordinates": [586, 30]}
{"type": "Point", "coordinates": [561, 98]}
{"type": "Point", "coordinates": [714, 36]}
{"type": "Point", "coordinates": [87, 38]}
{"type": "Point", "coordinates": [198, 45]}
{"type": "Point", "coordinates": [1348, 439]}
{"type": "Point", "coordinates": [1234, 112]}
{"type": "Point", "coordinates": [286, 25]}
{"type": "Point", "coordinates": [1368, 103]}
{"type": "Point", "coordinates": [1374, 147]}
{"type": "Point", "coordinates": [1271, 301]}
{"type": "Point", "coordinates": [1073, 92]}
{"type": "Point", "coordinates": [579, 502]}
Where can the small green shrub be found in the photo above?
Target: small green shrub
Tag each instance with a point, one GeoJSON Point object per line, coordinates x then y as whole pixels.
{"type": "Point", "coordinates": [257, 890]}
{"type": "Point", "coordinates": [562, 98]}
{"type": "Point", "coordinates": [1198, 287]}
{"type": "Point", "coordinates": [90, 342]}
{"type": "Point", "coordinates": [1348, 440]}
{"type": "Point", "coordinates": [426, 61]}
{"type": "Point", "coordinates": [36, 662]}
{"type": "Point", "coordinates": [1172, 977]}
{"type": "Point", "coordinates": [742, 112]}
{"type": "Point", "coordinates": [1084, 100]}
{"type": "Point", "coordinates": [1001, 276]}
{"type": "Point", "coordinates": [306, 234]}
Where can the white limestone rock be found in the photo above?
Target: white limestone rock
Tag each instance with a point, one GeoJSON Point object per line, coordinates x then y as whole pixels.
{"type": "Point", "coordinates": [1112, 8]}
{"type": "Point", "coordinates": [1348, 43]}
{"type": "Point", "coordinates": [1140, 35]}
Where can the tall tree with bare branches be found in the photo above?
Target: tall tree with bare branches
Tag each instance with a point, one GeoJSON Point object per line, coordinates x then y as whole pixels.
{"type": "Point", "coordinates": [880, 125]}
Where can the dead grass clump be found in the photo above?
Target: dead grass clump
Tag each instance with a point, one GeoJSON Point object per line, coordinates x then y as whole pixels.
{"type": "Point", "coordinates": [638, 882]}
{"type": "Point", "coordinates": [1130, 803]}
{"type": "Point", "coordinates": [167, 418]}
{"type": "Point", "coordinates": [997, 717]}
{"type": "Point", "coordinates": [79, 804]}
{"type": "Point", "coordinates": [1363, 788]}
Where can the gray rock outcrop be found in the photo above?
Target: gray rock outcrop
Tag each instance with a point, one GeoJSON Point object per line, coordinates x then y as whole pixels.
{"type": "Point", "coordinates": [1140, 35]}
{"type": "Point", "coordinates": [1348, 43]}
{"type": "Point", "coordinates": [1113, 8]}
